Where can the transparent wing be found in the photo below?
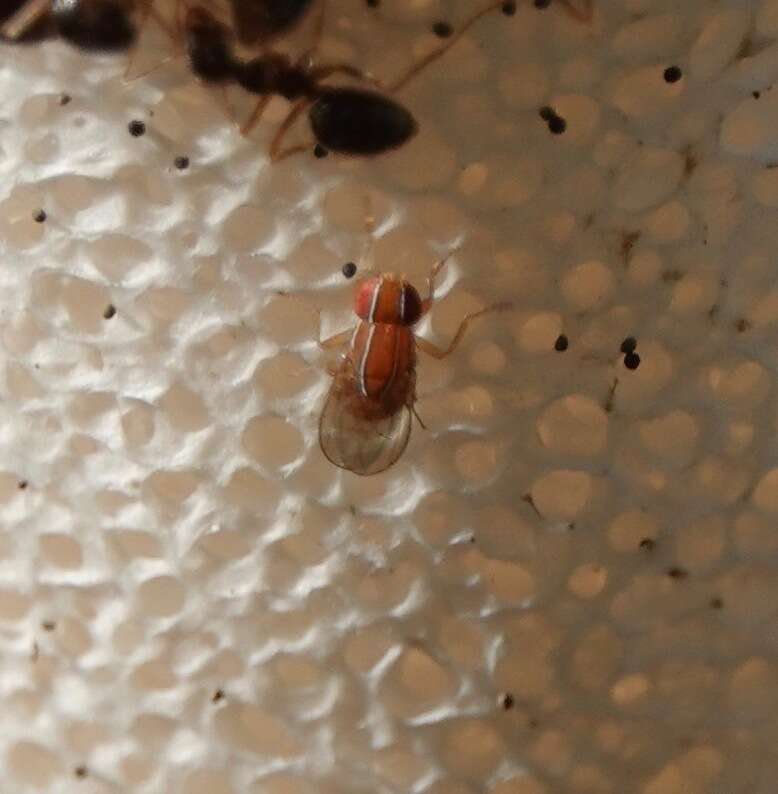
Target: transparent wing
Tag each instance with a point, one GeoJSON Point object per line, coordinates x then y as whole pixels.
{"type": "Point", "coordinates": [352, 440]}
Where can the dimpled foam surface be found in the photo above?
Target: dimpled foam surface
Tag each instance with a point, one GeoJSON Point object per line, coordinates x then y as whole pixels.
{"type": "Point", "coordinates": [568, 583]}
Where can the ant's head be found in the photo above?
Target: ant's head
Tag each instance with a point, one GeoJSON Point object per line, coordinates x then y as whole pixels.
{"type": "Point", "coordinates": [360, 122]}
{"type": "Point", "coordinates": [97, 25]}
{"type": "Point", "coordinates": [386, 298]}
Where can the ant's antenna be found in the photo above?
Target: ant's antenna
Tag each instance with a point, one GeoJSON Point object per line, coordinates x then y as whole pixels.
{"type": "Point", "coordinates": [24, 19]}
{"type": "Point", "coordinates": [433, 56]}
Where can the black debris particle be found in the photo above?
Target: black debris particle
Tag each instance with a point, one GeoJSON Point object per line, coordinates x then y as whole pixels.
{"type": "Point", "coordinates": [181, 163]}
{"type": "Point", "coordinates": [349, 270]}
{"type": "Point", "coordinates": [319, 151]}
{"type": "Point", "coordinates": [64, 99]}
{"type": "Point", "coordinates": [673, 74]}
{"type": "Point", "coordinates": [647, 544]}
{"type": "Point", "coordinates": [756, 94]}
{"type": "Point", "coordinates": [136, 128]}
{"type": "Point", "coordinates": [677, 573]}
{"type": "Point", "coordinates": [80, 771]}
{"type": "Point", "coordinates": [39, 216]}
{"type": "Point", "coordinates": [561, 344]}
{"type": "Point", "coordinates": [110, 311]}
{"type": "Point", "coordinates": [217, 696]}
{"type": "Point", "coordinates": [742, 325]}
{"type": "Point", "coordinates": [632, 360]}
{"type": "Point", "coordinates": [557, 125]}
{"type": "Point", "coordinates": [442, 30]}
{"type": "Point", "coordinates": [48, 625]}
{"type": "Point", "coordinates": [546, 113]}
{"type": "Point", "coordinates": [23, 484]}
{"type": "Point", "coordinates": [506, 701]}
{"type": "Point", "coordinates": [509, 8]}
{"type": "Point", "coordinates": [629, 345]}
{"type": "Point", "coordinates": [373, 3]}
{"type": "Point", "coordinates": [717, 602]}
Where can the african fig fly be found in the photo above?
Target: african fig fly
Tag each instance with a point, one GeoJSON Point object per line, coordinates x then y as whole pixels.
{"type": "Point", "coordinates": [366, 421]}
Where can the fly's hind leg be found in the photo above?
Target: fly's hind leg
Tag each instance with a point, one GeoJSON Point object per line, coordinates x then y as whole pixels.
{"type": "Point", "coordinates": [426, 304]}
{"type": "Point", "coordinates": [441, 352]}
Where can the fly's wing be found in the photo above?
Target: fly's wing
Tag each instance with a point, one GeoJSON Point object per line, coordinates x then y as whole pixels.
{"type": "Point", "coordinates": [352, 442]}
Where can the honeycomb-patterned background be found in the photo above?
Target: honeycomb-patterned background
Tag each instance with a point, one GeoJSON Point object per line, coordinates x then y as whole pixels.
{"type": "Point", "coordinates": [569, 582]}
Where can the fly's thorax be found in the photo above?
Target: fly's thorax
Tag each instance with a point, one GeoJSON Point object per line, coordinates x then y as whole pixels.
{"type": "Point", "coordinates": [388, 299]}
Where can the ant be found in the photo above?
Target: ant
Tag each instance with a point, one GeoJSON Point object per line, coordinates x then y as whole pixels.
{"type": "Point", "coordinates": [346, 120]}
{"type": "Point", "coordinates": [91, 25]}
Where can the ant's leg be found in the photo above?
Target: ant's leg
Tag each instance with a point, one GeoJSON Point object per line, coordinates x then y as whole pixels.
{"type": "Point", "coordinates": [584, 15]}
{"type": "Point", "coordinates": [309, 54]}
{"type": "Point", "coordinates": [442, 50]}
{"type": "Point", "coordinates": [149, 12]}
{"type": "Point", "coordinates": [327, 70]}
{"type": "Point", "coordinates": [438, 352]}
{"type": "Point", "coordinates": [255, 115]}
{"type": "Point", "coordinates": [24, 19]}
{"type": "Point", "coordinates": [276, 152]}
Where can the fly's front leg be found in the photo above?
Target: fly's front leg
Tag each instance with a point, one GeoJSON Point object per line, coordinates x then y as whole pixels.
{"type": "Point", "coordinates": [426, 304]}
{"type": "Point", "coordinates": [338, 340]}
{"type": "Point", "coordinates": [441, 352]}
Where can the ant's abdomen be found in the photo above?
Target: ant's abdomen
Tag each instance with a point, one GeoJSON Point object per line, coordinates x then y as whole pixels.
{"type": "Point", "coordinates": [355, 121]}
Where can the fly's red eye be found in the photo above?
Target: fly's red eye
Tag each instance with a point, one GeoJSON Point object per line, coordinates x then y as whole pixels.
{"type": "Point", "coordinates": [410, 305]}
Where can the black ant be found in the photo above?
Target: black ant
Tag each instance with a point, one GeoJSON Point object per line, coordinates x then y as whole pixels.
{"type": "Point", "coordinates": [92, 25]}
{"type": "Point", "coordinates": [346, 120]}
{"type": "Point", "coordinates": [261, 21]}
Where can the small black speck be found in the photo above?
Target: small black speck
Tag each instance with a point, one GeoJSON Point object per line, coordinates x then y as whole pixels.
{"type": "Point", "coordinates": [546, 113]}
{"type": "Point", "coordinates": [509, 8]}
{"type": "Point", "coordinates": [64, 99]}
{"type": "Point", "coordinates": [374, 3]}
{"type": "Point", "coordinates": [136, 128]}
{"type": "Point", "coordinates": [561, 344]}
{"type": "Point", "coordinates": [319, 151]}
{"type": "Point", "coordinates": [110, 311]}
{"type": "Point", "coordinates": [542, 3]}
{"type": "Point", "coordinates": [217, 696]}
{"type": "Point", "coordinates": [557, 125]}
{"type": "Point", "coordinates": [673, 74]}
{"type": "Point", "coordinates": [48, 625]}
{"type": "Point", "coordinates": [647, 544]}
{"type": "Point", "coordinates": [632, 360]}
{"type": "Point", "coordinates": [39, 216]}
{"type": "Point", "coordinates": [442, 30]}
{"type": "Point", "coordinates": [23, 484]}
{"type": "Point", "coordinates": [507, 701]}
{"type": "Point", "coordinates": [534, 723]}
{"type": "Point", "coordinates": [472, 538]}
{"type": "Point", "coordinates": [181, 163]}
{"type": "Point", "coordinates": [677, 573]}
{"type": "Point", "coordinates": [349, 270]}
{"type": "Point", "coordinates": [756, 94]}
{"type": "Point", "coordinates": [80, 771]}
{"type": "Point", "coordinates": [629, 345]}
{"type": "Point", "coordinates": [717, 602]}
{"type": "Point", "coordinates": [742, 325]}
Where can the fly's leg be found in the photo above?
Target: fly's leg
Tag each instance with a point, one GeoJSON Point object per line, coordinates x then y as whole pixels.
{"type": "Point", "coordinates": [442, 352]}
{"type": "Point", "coordinates": [338, 340]}
{"type": "Point", "coordinates": [426, 304]}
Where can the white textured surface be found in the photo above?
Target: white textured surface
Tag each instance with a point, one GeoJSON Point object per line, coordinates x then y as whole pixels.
{"type": "Point", "coordinates": [192, 600]}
